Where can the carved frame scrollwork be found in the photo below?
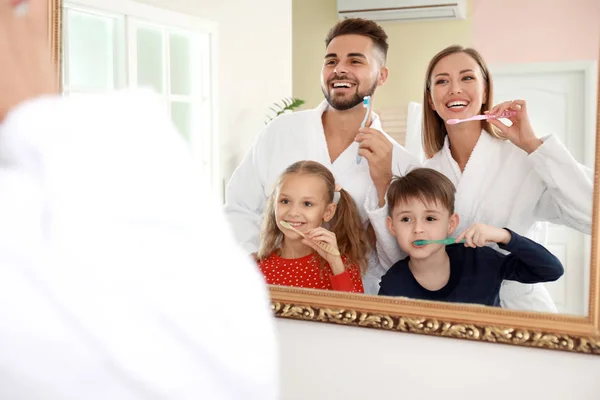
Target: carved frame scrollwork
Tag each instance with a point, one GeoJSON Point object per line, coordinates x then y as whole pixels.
{"type": "Point", "coordinates": [438, 327]}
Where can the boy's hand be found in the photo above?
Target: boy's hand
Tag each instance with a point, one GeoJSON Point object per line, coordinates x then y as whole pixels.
{"type": "Point", "coordinates": [477, 235]}
{"type": "Point", "coordinates": [323, 235]}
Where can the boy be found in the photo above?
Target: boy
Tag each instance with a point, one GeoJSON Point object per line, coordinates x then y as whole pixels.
{"type": "Point", "coordinates": [421, 207]}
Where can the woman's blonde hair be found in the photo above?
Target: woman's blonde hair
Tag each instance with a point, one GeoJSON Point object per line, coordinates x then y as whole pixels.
{"type": "Point", "coordinates": [345, 224]}
{"type": "Point", "coordinates": [434, 128]}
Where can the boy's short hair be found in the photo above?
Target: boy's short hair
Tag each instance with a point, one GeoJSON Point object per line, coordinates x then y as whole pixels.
{"type": "Point", "coordinates": [363, 27]}
{"type": "Point", "coordinates": [425, 184]}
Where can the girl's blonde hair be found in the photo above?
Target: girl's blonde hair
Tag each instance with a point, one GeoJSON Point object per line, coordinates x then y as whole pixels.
{"type": "Point", "coordinates": [345, 224]}
{"type": "Point", "coordinates": [434, 129]}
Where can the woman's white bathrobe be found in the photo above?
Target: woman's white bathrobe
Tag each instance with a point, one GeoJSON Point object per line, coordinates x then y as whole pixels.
{"type": "Point", "coordinates": [112, 248]}
{"type": "Point", "coordinates": [287, 139]}
{"type": "Point", "coordinates": [503, 186]}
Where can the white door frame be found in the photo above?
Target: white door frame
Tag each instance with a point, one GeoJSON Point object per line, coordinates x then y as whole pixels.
{"type": "Point", "coordinates": [590, 72]}
{"type": "Point", "coordinates": [589, 69]}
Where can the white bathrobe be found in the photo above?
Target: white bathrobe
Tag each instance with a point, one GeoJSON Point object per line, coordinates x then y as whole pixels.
{"type": "Point", "coordinates": [287, 139]}
{"type": "Point", "coordinates": [119, 278]}
{"type": "Point", "coordinates": [503, 186]}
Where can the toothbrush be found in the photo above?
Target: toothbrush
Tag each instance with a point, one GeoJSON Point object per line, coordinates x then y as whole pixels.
{"type": "Point", "coordinates": [325, 246]}
{"type": "Point", "coordinates": [367, 105]}
{"type": "Point", "coordinates": [505, 114]}
{"type": "Point", "coordinates": [442, 241]}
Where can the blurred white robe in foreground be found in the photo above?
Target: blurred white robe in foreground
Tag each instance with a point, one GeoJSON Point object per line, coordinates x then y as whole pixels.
{"type": "Point", "coordinates": [119, 278]}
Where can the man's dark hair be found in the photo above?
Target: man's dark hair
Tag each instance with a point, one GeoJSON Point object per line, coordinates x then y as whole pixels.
{"type": "Point", "coordinates": [364, 27]}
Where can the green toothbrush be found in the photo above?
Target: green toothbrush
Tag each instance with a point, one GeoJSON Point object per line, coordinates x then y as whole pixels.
{"type": "Point", "coordinates": [442, 241]}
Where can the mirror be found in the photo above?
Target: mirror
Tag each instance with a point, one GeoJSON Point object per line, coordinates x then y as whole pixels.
{"type": "Point", "coordinates": [549, 59]}
{"type": "Point", "coordinates": [544, 58]}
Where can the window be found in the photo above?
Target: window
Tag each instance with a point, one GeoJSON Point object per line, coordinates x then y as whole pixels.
{"type": "Point", "coordinates": [123, 44]}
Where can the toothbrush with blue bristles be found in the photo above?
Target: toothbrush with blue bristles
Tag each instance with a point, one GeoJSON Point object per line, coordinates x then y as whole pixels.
{"type": "Point", "coordinates": [367, 105]}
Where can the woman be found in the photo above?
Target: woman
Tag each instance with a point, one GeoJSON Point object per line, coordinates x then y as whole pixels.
{"type": "Point", "coordinates": [504, 175]}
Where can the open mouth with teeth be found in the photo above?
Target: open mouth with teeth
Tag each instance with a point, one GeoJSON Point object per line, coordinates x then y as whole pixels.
{"type": "Point", "coordinates": [296, 225]}
{"type": "Point", "coordinates": [457, 105]}
{"type": "Point", "coordinates": [342, 85]}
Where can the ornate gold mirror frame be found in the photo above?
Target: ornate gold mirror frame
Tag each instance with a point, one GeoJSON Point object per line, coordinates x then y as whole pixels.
{"type": "Point", "coordinates": [488, 324]}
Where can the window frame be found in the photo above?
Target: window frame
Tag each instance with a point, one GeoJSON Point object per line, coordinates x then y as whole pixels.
{"type": "Point", "coordinates": [131, 14]}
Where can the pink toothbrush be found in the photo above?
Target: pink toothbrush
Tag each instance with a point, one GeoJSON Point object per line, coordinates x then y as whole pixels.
{"type": "Point", "coordinates": [505, 114]}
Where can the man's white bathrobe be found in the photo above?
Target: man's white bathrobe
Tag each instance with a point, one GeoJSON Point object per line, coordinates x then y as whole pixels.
{"type": "Point", "coordinates": [290, 138]}
{"type": "Point", "coordinates": [503, 186]}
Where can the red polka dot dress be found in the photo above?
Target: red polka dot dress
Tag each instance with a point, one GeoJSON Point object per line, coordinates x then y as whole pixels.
{"type": "Point", "coordinates": [306, 272]}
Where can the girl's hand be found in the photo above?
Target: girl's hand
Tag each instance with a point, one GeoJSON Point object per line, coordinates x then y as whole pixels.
{"type": "Point", "coordinates": [520, 133]}
{"type": "Point", "coordinates": [478, 235]}
{"type": "Point", "coordinates": [27, 68]}
{"type": "Point", "coordinates": [323, 235]}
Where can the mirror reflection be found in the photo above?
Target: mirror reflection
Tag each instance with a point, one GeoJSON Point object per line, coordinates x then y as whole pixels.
{"type": "Point", "coordinates": [338, 193]}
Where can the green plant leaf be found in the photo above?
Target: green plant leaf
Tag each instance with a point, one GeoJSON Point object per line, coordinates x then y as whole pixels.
{"type": "Point", "coordinates": [285, 104]}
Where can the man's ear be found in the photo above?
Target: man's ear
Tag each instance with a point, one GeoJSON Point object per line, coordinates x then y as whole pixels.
{"type": "Point", "coordinates": [454, 220]}
{"type": "Point", "coordinates": [390, 225]}
{"type": "Point", "coordinates": [383, 75]}
{"type": "Point", "coordinates": [329, 212]}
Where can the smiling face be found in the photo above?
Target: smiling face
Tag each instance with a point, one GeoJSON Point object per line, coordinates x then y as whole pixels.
{"type": "Point", "coordinates": [302, 202]}
{"type": "Point", "coordinates": [352, 69]}
{"type": "Point", "coordinates": [415, 220]}
{"type": "Point", "coordinates": [458, 89]}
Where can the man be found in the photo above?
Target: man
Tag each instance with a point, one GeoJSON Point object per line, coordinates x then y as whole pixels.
{"type": "Point", "coordinates": [353, 67]}
{"type": "Point", "coordinates": [115, 263]}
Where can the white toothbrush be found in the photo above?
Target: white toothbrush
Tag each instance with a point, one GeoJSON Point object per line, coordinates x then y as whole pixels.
{"type": "Point", "coordinates": [367, 105]}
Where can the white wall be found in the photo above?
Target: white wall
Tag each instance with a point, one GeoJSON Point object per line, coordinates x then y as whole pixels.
{"type": "Point", "coordinates": [255, 65]}
{"type": "Point", "coordinates": [326, 361]}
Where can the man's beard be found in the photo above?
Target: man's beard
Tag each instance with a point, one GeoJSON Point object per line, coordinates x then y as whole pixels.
{"type": "Point", "coordinates": [342, 104]}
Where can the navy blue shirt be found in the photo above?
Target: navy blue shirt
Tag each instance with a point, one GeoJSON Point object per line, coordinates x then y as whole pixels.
{"type": "Point", "coordinates": [477, 273]}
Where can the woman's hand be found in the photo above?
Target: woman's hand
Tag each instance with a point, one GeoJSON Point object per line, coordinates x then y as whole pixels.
{"type": "Point", "coordinates": [520, 133]}
{"type": "Point", "coordinates": [27, 67]}
{"type": "Point", "coordinates": [323, 235]}
{"type": "Point", "coordinates": [478, 235]}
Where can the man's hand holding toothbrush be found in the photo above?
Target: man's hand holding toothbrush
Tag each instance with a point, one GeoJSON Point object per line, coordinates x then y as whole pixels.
{"type": "Point", "coordinates": [377, 150]}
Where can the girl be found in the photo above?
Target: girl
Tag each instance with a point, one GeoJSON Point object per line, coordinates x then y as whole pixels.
{"type": "Point", "coordinates": [304, 199]}
{"type": "Point", "coordinates": [504, 175]}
